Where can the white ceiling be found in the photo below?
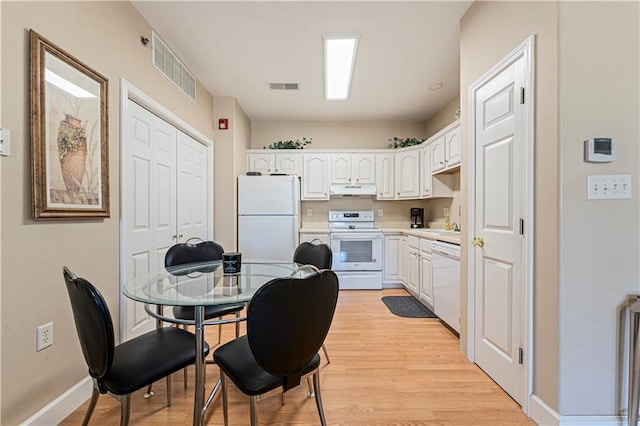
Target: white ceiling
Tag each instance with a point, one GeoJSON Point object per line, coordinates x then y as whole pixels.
{"type": "Point", "coordinates": [236, 48]}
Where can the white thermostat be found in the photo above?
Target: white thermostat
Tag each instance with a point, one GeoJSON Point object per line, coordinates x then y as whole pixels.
{"type": "Point", "coordinates": [599, 150]}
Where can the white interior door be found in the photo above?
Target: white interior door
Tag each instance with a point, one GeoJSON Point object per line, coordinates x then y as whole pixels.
{"type": "Point", "coordinates": [500, 192]}
{"type": "Point", "coordinates": [192, 188]}
{"type": "Point", "coordinates": [165, 199]}
{"type": "Point", "coordinates": [148, 204]}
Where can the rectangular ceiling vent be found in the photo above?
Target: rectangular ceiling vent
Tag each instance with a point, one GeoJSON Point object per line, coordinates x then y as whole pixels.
{"type": "Point", "coordinates": [284, 86]}
{"type": "Point", "coordinates": [169, 65]}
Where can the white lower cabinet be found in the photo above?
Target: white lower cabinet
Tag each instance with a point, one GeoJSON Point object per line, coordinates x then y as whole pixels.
{"type": "Point", "coordinates": [413, 265]}
{"type": "Point", "coordinates": [426, 279]}
{"type": "Point", "coordinates": [407, 260]}
{"type": "Point", "coordinates": [391, 266]}
{"type": "Point", "coordinates": [403, 260]}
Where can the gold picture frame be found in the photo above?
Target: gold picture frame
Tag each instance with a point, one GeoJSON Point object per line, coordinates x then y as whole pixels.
{"type": "Point", "coordinates": [69, 135]}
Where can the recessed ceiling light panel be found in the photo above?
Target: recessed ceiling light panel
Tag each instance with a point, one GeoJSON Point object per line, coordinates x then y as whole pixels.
{"type": "Point", "coordinates": [339, 59]}
{"type": "Point", "coordinates": [436, 86]}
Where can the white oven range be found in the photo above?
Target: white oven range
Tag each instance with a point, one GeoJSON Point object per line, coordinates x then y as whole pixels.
{"type": "Point", "coordinates": [357, 250]}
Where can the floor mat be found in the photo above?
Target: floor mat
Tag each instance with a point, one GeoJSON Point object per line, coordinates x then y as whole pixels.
{"type": "Point", "coordinates": [407, 306]}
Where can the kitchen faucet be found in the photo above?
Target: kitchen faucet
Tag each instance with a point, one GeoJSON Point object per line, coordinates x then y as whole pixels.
{"type": "Point", "coordinates": [455, 227]}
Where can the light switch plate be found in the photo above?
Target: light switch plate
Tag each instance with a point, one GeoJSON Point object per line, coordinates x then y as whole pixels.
{"type": "Point", "coordinates": [608, 187]}
{"type": "Point", "coordinates": [5, 142]}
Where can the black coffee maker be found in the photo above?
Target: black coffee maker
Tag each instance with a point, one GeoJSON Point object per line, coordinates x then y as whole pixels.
{"type": "Point", "coordinates": [417, 217]}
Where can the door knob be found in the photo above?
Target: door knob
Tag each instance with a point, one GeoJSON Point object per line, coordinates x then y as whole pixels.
{"type": "Point", "coordinates": [479, 242]}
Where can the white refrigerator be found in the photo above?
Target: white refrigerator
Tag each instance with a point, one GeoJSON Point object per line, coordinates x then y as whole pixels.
{"type": "Point", "coordinates": [268, 216]}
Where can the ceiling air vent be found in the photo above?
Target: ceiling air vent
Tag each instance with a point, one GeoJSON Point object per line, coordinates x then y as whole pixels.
{"type": "Point", "coordinates": [284, 86]}
{"type": "Point", "coordinates": [169, 65]}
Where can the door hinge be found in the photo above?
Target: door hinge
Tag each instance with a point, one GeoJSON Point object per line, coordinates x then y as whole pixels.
{"type": "Point", "coordinates": [520, 356]}
{"type": "Point", "coordinates": [521, 226]}
{"type": "Point", "coordinates": [5, 142]}
{"type": "Point", "coordinates": [522, 95]}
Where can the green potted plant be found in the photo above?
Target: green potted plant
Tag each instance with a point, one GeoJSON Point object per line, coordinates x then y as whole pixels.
{"type": "Point", "coordinates": [397, 142]}
{"type": "Point", "coordinates": [289, 144]}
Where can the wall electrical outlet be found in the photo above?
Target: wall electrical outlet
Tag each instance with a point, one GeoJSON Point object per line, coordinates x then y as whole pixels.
{"type": "Point", "coordinates": [445, 211]}
{"type": "Point", "coordinates": [380, 212]}
{"type": "Point", "coordinates": [608, 187]}
{"type": "Point", "coordinates": [309, 212]}
{"type": "Point", "coordinates": [44, 336]}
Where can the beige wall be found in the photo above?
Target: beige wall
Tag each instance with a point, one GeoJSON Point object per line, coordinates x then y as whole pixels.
{"type": "Point", "coordinates": [442, 118]}
{"type": "Point", "coordinates": [599, 96]}
{"type": "Point", "coordinates": [395, 213]}
{"type": "Point", "coordinates": [105, 36]}
{"type": "Point", "coordinates": [585, 264]}
{"type": "Point", "coordinates": [230, 161]}
{"type": "Point", "coordinates": [488, 32]}
{"type": "Point", "coordinates": [347, 134]}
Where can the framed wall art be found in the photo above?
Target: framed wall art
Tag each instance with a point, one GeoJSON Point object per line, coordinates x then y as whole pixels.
{"type": "Point", "coordinates": [69, 135]}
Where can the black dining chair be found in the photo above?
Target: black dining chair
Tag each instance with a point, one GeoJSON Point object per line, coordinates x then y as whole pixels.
{"type": "Point", "coordinates": [280, 349]}
{"type": "Point", "coordinates": [188, 252]}
{"type": "Point", "coordinates": [318, 255]}
{"type": "Point", "coordinates": [122, 369]}
{"type": "Point", "coordinates": [183, 253]}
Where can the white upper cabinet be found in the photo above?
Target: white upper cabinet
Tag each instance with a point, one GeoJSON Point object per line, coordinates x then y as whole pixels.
{"type": "Point", "coordinates": [452, 147]}
{"type": "Point", "coordinates": [315, 176]}
{"type": "Point", "coordinates": [385, 178]}
{"type": "Point", "coordinates": [425, 172]}
{"type": "Point", "coordinates": [437, 154]}
{"type": "Point", "coordinates": [353, 169]}
{"type": "Point", "coordinates": [445, 149]}
{"type": "Point", "coordinates": [408, 174]}
{"type": "Point", "coordinates": [268, 163]}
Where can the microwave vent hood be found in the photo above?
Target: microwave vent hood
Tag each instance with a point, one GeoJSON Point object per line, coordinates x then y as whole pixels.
{"type": "Point", "coordinates": [352, 190]}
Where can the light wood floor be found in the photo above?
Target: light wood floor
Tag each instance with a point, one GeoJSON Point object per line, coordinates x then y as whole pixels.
{"type": "Point", "coordinates": [385, 370]}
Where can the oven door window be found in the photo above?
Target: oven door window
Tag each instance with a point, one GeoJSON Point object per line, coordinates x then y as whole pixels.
{"type": "Point", "coordinates": [356, 251]}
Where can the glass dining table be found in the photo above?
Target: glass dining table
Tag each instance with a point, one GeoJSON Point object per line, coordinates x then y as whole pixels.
{"type": "Point", "coordinates": [200, 285]}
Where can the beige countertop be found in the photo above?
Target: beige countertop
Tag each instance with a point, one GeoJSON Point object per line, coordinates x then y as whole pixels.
{"type": "Point", "coordinates": [433, 234]}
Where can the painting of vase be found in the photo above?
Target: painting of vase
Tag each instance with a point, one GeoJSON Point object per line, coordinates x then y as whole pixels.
{"type": "Point", "coordinates": [72, 151]}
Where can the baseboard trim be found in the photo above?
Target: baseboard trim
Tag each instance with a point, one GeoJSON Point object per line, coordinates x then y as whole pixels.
{"type": "Point", "coordinates": [544, 415]}
{"type": "Point", "coordinates": [60, 408]}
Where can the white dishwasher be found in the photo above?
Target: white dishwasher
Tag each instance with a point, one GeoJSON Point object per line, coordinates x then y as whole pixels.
{"type": "Point", "coordinates": [445, 260]}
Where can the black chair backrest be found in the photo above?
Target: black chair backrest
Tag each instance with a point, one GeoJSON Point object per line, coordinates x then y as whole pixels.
{"type": "Point", "coordinates": [318, 255]}
{"type": "Point", "coordinates": [93, 324]}
{"type": "Point", "coordinates": [182, 253]}
{"type": "Point", "coordinates": [288, 320]}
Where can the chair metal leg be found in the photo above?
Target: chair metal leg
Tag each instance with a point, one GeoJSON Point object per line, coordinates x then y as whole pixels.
{"type": "Point", "coordinates": [186, 328]}
{"type": "Point", "coordinates": [284, 398]}
{"type": "Point", "coordinates": [326, 354]}
{"type": "Point", "coordinates": [220, 331]}
{"type": "Point", "coordinates": [169, 390]}
{"type": "Point", "coordinates": [185, 376]}
{"type": "Point", "coordinates": [316, 386]}
{"type": "Point", "coordinates": [92, 404]}
{"type": "Point", "coordinates": [225, 408]}
{"type": "Point", "coordinates": [237, 325]}
{"type": "Point", "coordinates": [125, 401]}
{"type": "Point", "coordinates": [254, 411]}
{"type": "Point", "coordinates": [149, 392]}
{"type": "Point", "coordinates": [310, 394]}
